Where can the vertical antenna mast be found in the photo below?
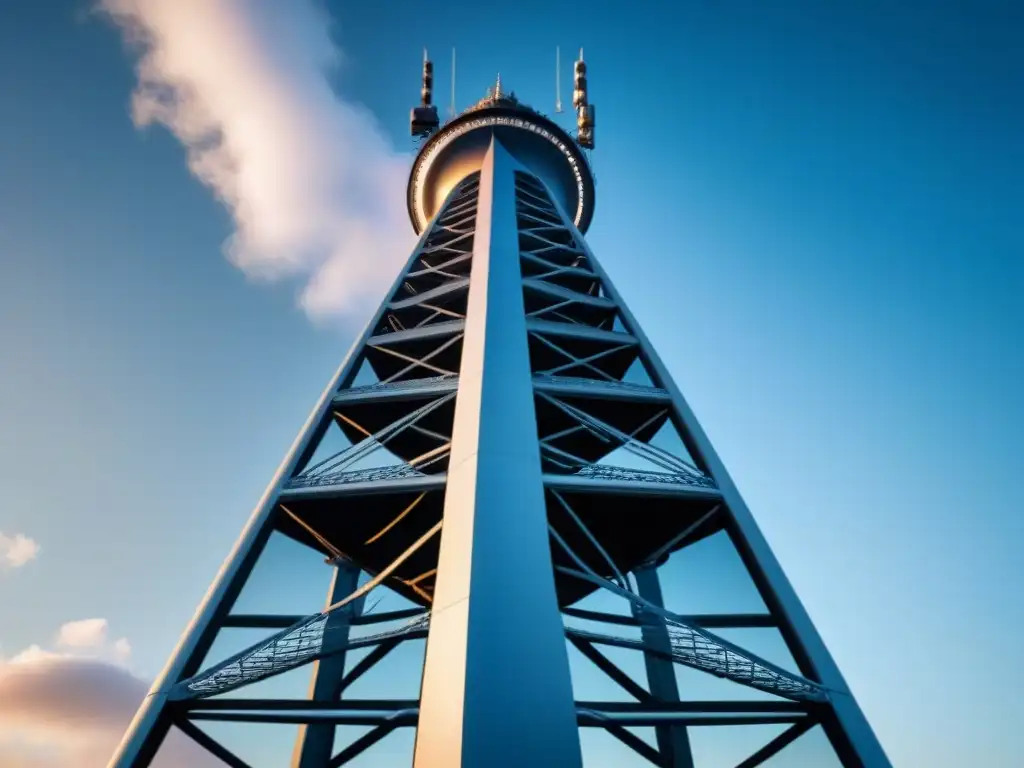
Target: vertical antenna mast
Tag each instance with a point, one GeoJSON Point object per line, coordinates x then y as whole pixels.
{"type": "Point", "coordinates": [424, 120]}
{"type": "Point", "coordinates": [558, 80]}
{"type": "Point", "coordinates": [451, 107]}
{"type": "Point", "coordinates": [580, 102]}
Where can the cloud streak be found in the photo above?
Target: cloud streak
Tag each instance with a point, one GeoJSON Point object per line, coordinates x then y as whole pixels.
{"type": "Point", "coordinates": [314, 188]}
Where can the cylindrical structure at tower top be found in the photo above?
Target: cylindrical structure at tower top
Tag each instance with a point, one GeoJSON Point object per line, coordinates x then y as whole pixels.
{"type": "Point", "coordinates": [536, 142]}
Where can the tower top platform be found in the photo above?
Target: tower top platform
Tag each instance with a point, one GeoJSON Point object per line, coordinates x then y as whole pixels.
{"type": "Point", "coordinates": [459, 147]}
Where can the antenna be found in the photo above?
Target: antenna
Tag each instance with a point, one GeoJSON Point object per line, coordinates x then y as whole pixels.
{"type": "Point", "coordinates": [558, 79]}
{"type": "Point", "coordinates": [451, 107]}
{"type": "Point", "coordinates": [427, 93]}
{"type": "Point", "coordinates": [423, 120]}
{"type": "Point", "coordinates": [580, 102]}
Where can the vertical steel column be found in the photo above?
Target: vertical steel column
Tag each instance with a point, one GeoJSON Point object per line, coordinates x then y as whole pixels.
{"type": "Point", "coordinates": [673, 740]}
{"type": "Point", "coordinates": [496, 688]}
{"type": "Point", "coordinates": [314, 746]}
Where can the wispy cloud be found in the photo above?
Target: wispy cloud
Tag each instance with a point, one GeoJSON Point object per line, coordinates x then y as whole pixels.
{"type": "Point", "coordinates": [315, 189]}
{"type": "Point", "coordinates": [16, 550]}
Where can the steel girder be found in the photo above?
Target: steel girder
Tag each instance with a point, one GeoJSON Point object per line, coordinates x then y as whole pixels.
{"type": "Point", "coordinates": [489, 469]}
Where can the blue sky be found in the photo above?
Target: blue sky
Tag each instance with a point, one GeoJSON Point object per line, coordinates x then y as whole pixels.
{"type": "Point", "coordinates": [813, 209]}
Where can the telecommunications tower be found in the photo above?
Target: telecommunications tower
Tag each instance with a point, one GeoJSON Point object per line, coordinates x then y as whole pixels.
{"type": "Point", "coordinates": [517, 406]}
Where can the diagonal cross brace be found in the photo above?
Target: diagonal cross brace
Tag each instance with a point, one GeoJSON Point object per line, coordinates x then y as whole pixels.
{"type": "Point", "coordinates": [700, 649]}
{"type": "Point", "coordinates": [339, 461]}
{"type": "Point", "coordinates": [308, 640]}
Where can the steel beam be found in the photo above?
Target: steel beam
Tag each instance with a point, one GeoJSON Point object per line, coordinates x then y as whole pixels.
{"type": "Point", "coordinates": [297, 717]}
{"type": "Point", "coordinates": [434, 293]}
{"type": "Point", "coordinates": [590, 719]}
{"type": "Point", "coordinates": [673, 740]}
{"type": "Point", "coordinates": [368, 662]}
{"type": "Point", "coordinates": [638, 745]}
{"type": "Point", "coordinates": [605, 390]}
{"type": "Point", "coordinates": [706, 620]}
{"type": "Point", "coordinates": [410, 389]}
{"type": "Point", "coordinates": [360, 745]}
{"type": "Point", "coordinates": [241, 704]}
{"type": "Point", "coordinates": [777, 744]}
{"type": "Point", "coordinates": [436, 331]}
{"type": "Point", "coordinates": [650, 706]}
{"type": "Point", "coordinates": [553, 289]}
{"type": "Point", "coordinates": [314, 743]}
{"type": "Point", "coordinates": [496, 687]}
{"type": "Point", "coordinates": [210, 744]}
{"type": "Point", "coordinates": [365, 488]}
{"type": "Point", "coordinates": [602, 662]}
{"type": "Point", "coordinates": [629, 487]}
{"type": "Point", "coordinates": [573, 331]}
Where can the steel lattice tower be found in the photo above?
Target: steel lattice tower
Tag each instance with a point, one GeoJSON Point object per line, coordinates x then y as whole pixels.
{"type": "Point", "coordinates": [518, 401]}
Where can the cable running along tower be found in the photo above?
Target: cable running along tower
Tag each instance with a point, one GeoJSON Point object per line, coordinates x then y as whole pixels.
{"type": "Point", "coordinates": [503, 469]}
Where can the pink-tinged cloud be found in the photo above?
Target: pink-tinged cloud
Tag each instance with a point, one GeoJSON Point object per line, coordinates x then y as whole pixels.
{"type": "Point", "coordinates": [16, 550]}
{"type": "Point", "coordinates": [68, 692]}
{"type": "Point", "coordinates": [90, 636]}
{"type": "Point", "coordinates": [84, 633]}
{"type": "Point", "coordinates": [60, 711]}
{"type": "Point", "coordinates": [315, 190]}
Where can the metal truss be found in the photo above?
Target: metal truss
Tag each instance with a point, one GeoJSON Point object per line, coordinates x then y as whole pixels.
{"type": "Point", "coordinates": [690, 644]}
{"type": "Point", "coordinates": [310, 639]}
{"type": "Point", "coordinates": [399, 386]}
{"type": "Point", "coordinates": [301, 644]}
{"type": "Point", "coordinates": [433, 289]}
{"type": "Point", "coordinates": [705, 652]}
{"type": "Point", "coordinates": [601, 385]}
{"type": "Point", "coordinates": [376, 474]}
{"type": "Point", "coordinates": [672, 468]}
{"type": "Point", "coordinates": [570, 377]}
{"type": "Point", "coordinates": [503, 361]}
{"type": "Point", "coordinates": [334, 470]}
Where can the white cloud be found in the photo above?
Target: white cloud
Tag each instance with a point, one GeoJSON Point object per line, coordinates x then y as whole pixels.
{"type": "Point", "coordinates": [85, 633]}
{"type": "Point", "coordinates": [122, 649]}
{"type": "Point", "coordinates": [88, 637]}
{"type": "Point", "coordinates": [315, 189]}
{"type": "Point", "coordinates": [16, 550]}
{"type": "Point", "coordinates": [85, 639]}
